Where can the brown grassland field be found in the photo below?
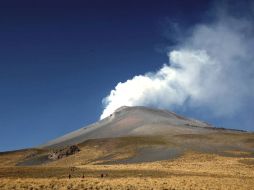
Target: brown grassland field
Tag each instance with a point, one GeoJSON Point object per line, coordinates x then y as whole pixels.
{"type": "Point", "coordinates": [191, 170]}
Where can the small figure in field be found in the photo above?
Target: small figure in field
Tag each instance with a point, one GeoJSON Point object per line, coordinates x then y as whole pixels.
{"type": "Point", "coordinates": [83, 176]}
{"type": "Point", "coordinates": [69, 176]}
{"type": "Point", "coordinates": [104, 175]}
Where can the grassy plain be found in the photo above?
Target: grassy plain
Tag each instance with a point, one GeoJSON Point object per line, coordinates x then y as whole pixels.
{"type": "Point", "coordinates": [191, 171]}
{"type": "Point", "coordinates": [214, 161]}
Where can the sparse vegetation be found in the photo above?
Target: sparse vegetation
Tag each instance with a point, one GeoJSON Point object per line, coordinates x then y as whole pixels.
{"type": "Point", "coordinates": [192, 171]}
{"type": "Point", "coordinates": [196, 168]}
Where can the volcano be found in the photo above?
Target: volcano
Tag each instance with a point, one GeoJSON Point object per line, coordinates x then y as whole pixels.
{"type": "Point", "coordinates": [133, 121]}
{"type": "Point", "coordinates": [136, 135]}
{"type": "Point", "coordinates": [132, 147]}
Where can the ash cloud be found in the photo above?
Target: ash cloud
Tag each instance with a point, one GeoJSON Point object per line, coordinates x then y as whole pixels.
{"type": "Point", "coordinates": [212, 69]}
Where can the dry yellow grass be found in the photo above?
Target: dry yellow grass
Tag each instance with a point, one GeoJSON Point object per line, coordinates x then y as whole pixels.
{"type": "Point", "coordinates": [174, 182]}
{"type": "Point", "coordinates": [191, 171]}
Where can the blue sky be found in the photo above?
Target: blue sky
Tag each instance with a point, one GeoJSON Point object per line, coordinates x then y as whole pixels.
{"type": "Point", "coordinates": [59, 59]}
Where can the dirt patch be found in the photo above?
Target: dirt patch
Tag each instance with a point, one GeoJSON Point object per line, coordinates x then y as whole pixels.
{"type": "Point", "coordinates": [35, 160]}
{"type": "Point", "coordinates": [150, 154]}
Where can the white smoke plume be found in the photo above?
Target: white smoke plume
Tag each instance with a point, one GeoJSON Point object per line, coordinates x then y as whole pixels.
{"type": "Point", "coordinates": [213, 68]}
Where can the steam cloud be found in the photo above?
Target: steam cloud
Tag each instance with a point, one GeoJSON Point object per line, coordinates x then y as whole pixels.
{"type": "Point", "coordinates": [213, 68]}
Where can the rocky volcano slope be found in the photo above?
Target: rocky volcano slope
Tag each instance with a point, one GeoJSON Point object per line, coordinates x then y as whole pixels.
{"type": "Point", "coordinates": [133, 121]}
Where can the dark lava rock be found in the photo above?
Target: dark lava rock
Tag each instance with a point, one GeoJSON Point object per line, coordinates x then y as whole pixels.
{"type": "Point", "coordinates": [63, 152]}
